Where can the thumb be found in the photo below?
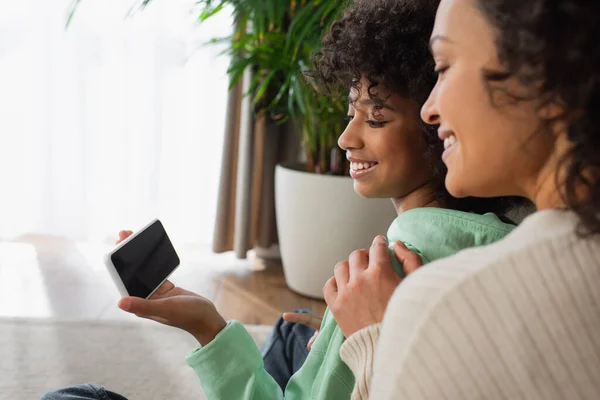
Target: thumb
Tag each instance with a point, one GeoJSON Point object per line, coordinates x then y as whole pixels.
{"type": "Point", "coordinates": [312, 340]}
{"type": "Point", "coordinates": [379, 254]}
{"type": "Point", "coordinates": [124, 235]}
{"type": "Point", "coordinates": [312, 321]}
{"type": "Point", "coordinates": [142, 307]}
{"type": "Point", "coordinates": [410, 261]}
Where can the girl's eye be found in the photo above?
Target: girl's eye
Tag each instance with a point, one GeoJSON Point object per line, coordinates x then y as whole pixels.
{"type": "Point", "coordinates": [440, 70]}
{"type": "Point", "coordinates": [375, 124]}
{"type": "Point", "coordinates": [349, 118]}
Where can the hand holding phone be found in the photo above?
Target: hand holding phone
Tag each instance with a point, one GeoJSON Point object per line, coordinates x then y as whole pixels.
{"type": "Point", "coordinates": [177, 307]}
{"type": "Point", "coordinates": [141, 262]}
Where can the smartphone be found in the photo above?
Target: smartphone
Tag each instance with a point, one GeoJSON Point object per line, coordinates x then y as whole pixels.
{"type": "Point", "coordinates": [143, 261]}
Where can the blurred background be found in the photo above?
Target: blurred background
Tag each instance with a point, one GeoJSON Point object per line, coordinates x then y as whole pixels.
{"type": "Point", "coordinates": [116, 120]}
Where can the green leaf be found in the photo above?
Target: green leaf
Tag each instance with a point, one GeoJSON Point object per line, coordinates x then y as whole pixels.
{"type": "Point", "coordinates": [144, 4]}
{"type": "Point", "coordinates": [210, 11]}
{"type": "Point", "coordinates": [282, 92]}
{"type": "Point", "coordinates": [271, 11]}
{"type": "Point", "coordinates": [299, 94]}
{"type": "Point", "coordinates": [72, 11]}
{"type": "Point", "coordinates": [236, 69]}
{"type": "Point", "coordinates": [263, 87]}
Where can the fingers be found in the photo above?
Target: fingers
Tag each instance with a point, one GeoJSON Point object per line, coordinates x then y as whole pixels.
{"type": "Point", "coordinates": [124, 235]}
{"type": "Point", "coordinates": [312, 321]}
{"type": "Point", "coordinates": [410, 261]}
{"type": "Point", "coordinates": [379, 253]}
{"type": "Point", "coordinates": [157, 319]}
{"type": "Point", "coordinates": [330, 291]}
{"type": "Point", "coordinates": [359, 261]}
{"type": "Point", "coordinates": [143, 308]}
{"type": "Point", "coordinates": [164, 288]}
{"type": "Point", "coordinates": [312, 340]}
{"type": "Point", "coordinates": [341, 271]}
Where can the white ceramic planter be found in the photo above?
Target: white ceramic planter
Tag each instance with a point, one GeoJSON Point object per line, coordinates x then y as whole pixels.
{"type": "Point", "coordinates": [320, 221]}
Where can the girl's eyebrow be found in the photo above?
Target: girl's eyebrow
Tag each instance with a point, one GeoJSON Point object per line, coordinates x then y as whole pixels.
{"type": "Point", "coordinates": [370, 103]}
{"type": "Point", "coordinates": [435, 38]}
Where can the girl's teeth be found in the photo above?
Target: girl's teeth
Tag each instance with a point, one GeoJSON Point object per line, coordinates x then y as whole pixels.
{"type": "Point", "coordinates": [358, 166]}
{"type": "Point", "coordinates": [449, 142]}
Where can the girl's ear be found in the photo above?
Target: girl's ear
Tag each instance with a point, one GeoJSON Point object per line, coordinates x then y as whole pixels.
{"type": "Point", "coordinates": [555, 112]}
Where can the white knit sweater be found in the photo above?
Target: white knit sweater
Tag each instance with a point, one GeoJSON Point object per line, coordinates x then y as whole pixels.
{"type": "Point", "coordinates": [519, 319]}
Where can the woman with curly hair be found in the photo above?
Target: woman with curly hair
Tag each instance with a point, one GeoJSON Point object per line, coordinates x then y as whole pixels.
{"type": "Point", "coordinates": [378, 52]}
{"type": "Point", "coordinates": [518, 104]}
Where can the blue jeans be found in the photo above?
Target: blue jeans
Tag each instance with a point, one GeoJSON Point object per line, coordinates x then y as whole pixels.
{"type": "Point", "coordinates": [283, 354]}
{"type": "Point", "coordinates": [285, 351]}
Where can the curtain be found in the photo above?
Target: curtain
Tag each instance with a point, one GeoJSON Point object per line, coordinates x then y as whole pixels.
{"type": "Point", "coordinates": [110, 123]}
{"type": "Point", "coordinates": [253, 146]}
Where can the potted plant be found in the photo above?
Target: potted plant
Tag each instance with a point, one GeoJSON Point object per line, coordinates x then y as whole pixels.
{"type": "Point", "coordinates": [320, 219]}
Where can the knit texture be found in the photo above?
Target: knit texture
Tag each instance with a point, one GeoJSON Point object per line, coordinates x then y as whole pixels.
{"type": "Point", "coordinates": [518, 319]}
{"type": "Point", "coordinates": [358, 354]}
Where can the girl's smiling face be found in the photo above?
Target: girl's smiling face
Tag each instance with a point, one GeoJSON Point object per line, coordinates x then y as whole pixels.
{"type": "Point", "coordinates": [385, 143]}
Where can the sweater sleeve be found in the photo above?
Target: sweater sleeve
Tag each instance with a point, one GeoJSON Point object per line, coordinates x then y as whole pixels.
{"type": "Point", "coordinates": [358, 353]}
{"type": "Point", "coordinates": [231, 367]}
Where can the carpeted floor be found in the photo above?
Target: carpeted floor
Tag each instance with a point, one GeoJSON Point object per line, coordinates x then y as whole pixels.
{"type": "Point", "coordinates": [142, 361]}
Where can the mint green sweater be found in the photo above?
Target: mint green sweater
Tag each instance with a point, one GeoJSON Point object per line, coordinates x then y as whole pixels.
{"type": "Point", "coordinates": [231, 367]}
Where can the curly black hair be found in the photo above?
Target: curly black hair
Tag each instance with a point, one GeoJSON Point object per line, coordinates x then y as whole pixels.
{"type": "Point", "coordinates": [388, 43]}
{"type": "Point", "coordinates": [555, 43]}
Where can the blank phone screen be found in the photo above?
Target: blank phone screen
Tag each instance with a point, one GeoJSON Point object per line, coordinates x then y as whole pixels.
{"type": "Point", "coordinates": [146, 261]}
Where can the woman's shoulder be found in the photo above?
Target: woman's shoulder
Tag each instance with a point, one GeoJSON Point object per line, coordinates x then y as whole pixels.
{"type": "Point", "coordinates": [528, 266]}
{"type": "Point", "coordinates": [539, 235]}
{"type": "Point", "coordinates": [513, 307]}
